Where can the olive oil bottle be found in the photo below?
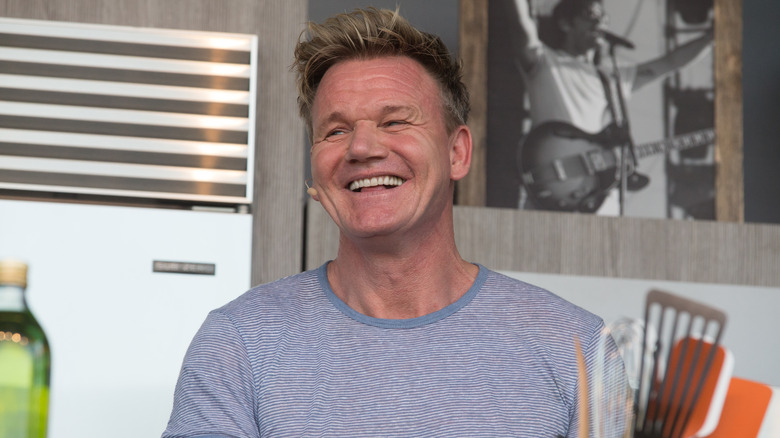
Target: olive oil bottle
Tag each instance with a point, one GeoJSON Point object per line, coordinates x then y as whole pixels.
{"type": "Point", "coordinates": [25, 359]}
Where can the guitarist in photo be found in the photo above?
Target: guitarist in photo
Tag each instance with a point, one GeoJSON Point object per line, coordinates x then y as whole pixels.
{"type": "Point", "coordinates": [575, 105]}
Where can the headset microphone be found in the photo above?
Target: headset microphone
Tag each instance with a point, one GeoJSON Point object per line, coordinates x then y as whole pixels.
{"type": "Point", "coordinates": [310, 190]}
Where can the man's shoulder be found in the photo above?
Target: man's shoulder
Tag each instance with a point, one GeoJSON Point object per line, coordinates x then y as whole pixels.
{"type": "Point", "coordinates": [513, 287]}
{"type": "Point", "coordinates": [536, 303]}
{"type": "Point", "coordinates": [276, 297]}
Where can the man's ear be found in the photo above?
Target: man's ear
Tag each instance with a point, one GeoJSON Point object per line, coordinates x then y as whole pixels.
{"type": "Point", "coordinates": [460, 152]}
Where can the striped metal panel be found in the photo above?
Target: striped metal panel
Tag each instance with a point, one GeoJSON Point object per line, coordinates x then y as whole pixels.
{"type": "Point", "coordinates": [127, 112]}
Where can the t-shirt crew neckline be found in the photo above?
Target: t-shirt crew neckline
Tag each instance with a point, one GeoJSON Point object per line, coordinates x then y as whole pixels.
{"type": "Point", "coordinates": [322, 275]}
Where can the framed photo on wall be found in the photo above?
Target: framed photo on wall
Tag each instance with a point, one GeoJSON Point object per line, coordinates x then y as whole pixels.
{"type": "Point", "coordinates": [669, 126]}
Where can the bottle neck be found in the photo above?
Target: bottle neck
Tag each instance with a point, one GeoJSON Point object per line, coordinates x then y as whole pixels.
{"type": "Point", "coordinates": [12, 298]}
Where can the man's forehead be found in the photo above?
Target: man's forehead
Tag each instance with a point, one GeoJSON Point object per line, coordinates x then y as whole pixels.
{"type": "Point", "coordinates": [394, 72]}
{"type": "Point", "coordinates": [594, 6]}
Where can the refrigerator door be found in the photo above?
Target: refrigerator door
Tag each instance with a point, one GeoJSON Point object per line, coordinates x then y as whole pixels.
{"type": "Point", "coordinates": [117, 329]}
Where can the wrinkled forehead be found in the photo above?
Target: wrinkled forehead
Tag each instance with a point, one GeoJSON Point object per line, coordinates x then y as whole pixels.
{"type": "Point", "coordinates": [416, 72]}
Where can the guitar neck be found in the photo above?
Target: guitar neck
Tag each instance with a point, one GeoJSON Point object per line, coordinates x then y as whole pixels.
{"type": "Point", "coordinates": [680, 143]}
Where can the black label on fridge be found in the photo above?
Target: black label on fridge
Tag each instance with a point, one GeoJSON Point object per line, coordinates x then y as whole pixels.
{"type": "Point", "coordinates": [184, 267]}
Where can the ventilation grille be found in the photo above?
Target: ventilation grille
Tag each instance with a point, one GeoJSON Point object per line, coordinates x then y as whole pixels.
{"type": "Point", "coordinates": [127, 112]}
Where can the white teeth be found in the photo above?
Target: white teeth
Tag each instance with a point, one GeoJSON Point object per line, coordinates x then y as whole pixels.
{"type": "Point", "coordinates": [376, 181]}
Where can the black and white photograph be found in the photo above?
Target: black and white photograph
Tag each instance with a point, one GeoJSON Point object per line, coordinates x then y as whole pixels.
{"type": "Point", "coordinates": [601, 107]}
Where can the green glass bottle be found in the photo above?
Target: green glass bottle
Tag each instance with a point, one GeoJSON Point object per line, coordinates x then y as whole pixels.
{"type": "Point", "coordinates": [25, 360]}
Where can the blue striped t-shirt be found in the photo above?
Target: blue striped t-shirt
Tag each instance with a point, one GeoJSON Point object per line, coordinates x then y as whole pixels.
{"type": "Point", "coordinates": [290, 359]}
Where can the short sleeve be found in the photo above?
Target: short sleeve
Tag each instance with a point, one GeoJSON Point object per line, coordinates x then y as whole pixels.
{"type": "Point", "coordinates": [215, 393]}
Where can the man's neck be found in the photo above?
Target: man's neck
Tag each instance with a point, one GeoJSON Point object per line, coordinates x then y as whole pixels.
{"type": "Point", "coordinates": [402, 281]}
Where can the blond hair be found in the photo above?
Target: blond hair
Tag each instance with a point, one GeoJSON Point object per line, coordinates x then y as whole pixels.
{"type": "Point", "coordinates": [371, 33]}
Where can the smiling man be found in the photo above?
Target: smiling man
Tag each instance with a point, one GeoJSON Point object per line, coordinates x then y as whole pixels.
{"type": "Point", "coordinates": [398, 336]}
{"type": "Point", "coordinates": [379, 119]}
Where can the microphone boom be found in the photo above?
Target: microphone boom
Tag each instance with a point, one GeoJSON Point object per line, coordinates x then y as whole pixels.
{"type": "Point", "coordinates": [616, 40]}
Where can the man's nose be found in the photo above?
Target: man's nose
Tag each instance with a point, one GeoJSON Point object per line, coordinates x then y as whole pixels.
{"type": "Point", "coordinates": [365, 143]}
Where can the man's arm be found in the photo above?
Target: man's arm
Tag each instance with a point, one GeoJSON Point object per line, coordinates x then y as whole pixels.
{"type": "Point", "coordinates": [524, 36]}
{"type": "Point", "coordinates": [672, 61]}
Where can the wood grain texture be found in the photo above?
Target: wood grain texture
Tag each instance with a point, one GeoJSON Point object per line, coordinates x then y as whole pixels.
{"type": "Point", "coordinates": [729, 177]}
{"type": "Point", "coordinates": [656, 249]}
{"type": "Point", "coordinates": [589, 245]}
{"type": "Point", "coordinates": [279, 155]}
{"type": "Point", "coordinates": [473, 43]}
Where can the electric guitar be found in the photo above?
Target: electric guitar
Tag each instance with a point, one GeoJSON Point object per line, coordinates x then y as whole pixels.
{"type": "Point", "coordinates": [566, 169]}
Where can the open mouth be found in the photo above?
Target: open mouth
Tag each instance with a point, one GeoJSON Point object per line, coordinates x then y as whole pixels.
{"type": "Point", "coordinates": [377, 181]}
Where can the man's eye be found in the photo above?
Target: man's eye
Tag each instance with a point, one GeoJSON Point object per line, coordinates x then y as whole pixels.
{"type": "Point", "coordinates": [335, 132]}
{"type": "Point", "coordinates": [395, 123]}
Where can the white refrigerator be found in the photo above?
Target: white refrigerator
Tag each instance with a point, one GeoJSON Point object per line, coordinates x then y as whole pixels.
{"type": "Point", "coordinates": [118, 328]}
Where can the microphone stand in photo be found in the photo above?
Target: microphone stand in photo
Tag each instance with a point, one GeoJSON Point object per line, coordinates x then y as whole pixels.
{"type": "Point", "coordinates": [622, 130]}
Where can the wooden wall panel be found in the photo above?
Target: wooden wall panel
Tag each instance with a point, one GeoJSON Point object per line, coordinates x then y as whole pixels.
{"type": "Point", "coordinates": [589, 245]}
{"type": "Point", "coordinates": [729, 178]}
{"type": "Point", "coordinates": [278, 198]}
{"type": "Point", "coordinates": [473, 18]}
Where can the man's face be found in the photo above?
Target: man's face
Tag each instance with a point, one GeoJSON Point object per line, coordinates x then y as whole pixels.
{"type": "Point", "coordinates": [584, 29]}
{"type": "Point", "coordinates": [382, 159]}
